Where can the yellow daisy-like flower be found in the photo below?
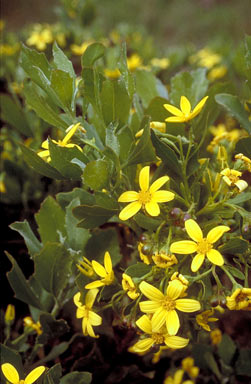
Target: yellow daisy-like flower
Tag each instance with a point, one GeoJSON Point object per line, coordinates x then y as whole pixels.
{"type": "Point", "coordinates": [129, 286]}
{"type": "Point", "coordinates": [62, 143]}
{"type": "Point", "coordinates": [217, 72]}
{"type": "Point", "coordinates": [12, 375]}
{"type": "Point", "coordinates": [177, 378]}
{"type": "Point", "coordinates": [157, 125]}
{"type": "Point", "coordinates": [148, 198]}
{"type": "Point", "coordinates": [245, 159]}
{"type": "Point", "coordinates": [85, 267]}
{"type": "Point", "coordinates": [240, 299]}
{"type": "Point", "coordinates": [232, 178]}
{"type": "Point", "coordinates": [180, 279]}
{"type": "Point", "coordinates": [156, 338]}
{"type": "Point", "coordinates": [90, 318]}
{"type": "Point", "coordinates": [105, 272]}
{"type": "Point", "coordinates": [134, 62]}
{"type": "Point", "coordinates": [202, 245]}
{"type": "Point", "coordinates": [164, 306]}
{"type": "Point", "coordinates": [28, 322]}
{"type": "Point", "coordinates": [185, 112]}
{"type": "Point", "coordinates": [145, 258]}
{"type": "Point", "coordinates": [204, 318]}
{"type": "Point", "coordinates": [78, 50]}
{"type": "Point", "coordinates": [40, 37]}
{"type": "Point", "coordinates": [216, 336]}
{"type": "Point", "coordinates": [160, 63]}
{"type": "Point", "coordinates": [164, 260]}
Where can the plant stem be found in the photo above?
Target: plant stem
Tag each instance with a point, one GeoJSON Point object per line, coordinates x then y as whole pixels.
{"type": "Point", "coordinates": [199, 277]}
{"type": "Point", "coordinates": [231, 278]}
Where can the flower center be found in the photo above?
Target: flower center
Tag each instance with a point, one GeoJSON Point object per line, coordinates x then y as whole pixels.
{"type": "Point", "coordinates": [158, 338]}
{"type": "Point", "coordinates": [241, 297]}
{"type": "Point", "coordinates": [204, 246]}
{"type": "Point", "coordinates": [109, 278]}
{"type": "Point", "coordinates": [144, 197]}
{"type": "Point", "coordinates": [168, 304]}
{"type": "Point", "coordinates": [233, 178]}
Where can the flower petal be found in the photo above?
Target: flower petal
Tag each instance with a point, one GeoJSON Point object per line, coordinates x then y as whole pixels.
{"type": "Point", "coordinates": [95, 284]}
{"type": "Point", "coordinates": [159, 319]}
{"type": "Point", "coordinates": [144, 323]}
{"type": "Point", "coordinates": [130, 210]}
{"type": "Point", "coordinates": [94, 318]}
{"type": "Point", "coordinates": [144, 178]}
{"type": "Point", "coordinates": [80, 312]}
{"type": "Point", "coordinates": [90, 297]}
{"type": "Point", "coordinates": [187, 305]}
{"type": "Point", "coordinates": [199, 106]}
{"type": "Point", "coordinates": [241, 185]}
{"type": "Point", "coordinates": [216, 233]}
{"type": "Point", "coordinates": [128, 197]}
{"type": "Point", "coordinates": [197, 262]}
{"type": "Point", "coordinates": [151, 292]}
{"type": "Point", "coordinates": [183, 247]}
{"type": "Point", "coordinates": [193, 230]}
{"type": "Point", "coordinates": [108, 262]}
{"type": "Point", "coordinates": [70, 133]}
{"type": "Point", "coordinates": [215, 257]}
{"type": "Point", "coordinates": [174, 290]}
{"type": "Point", "coordinates": [76, 300]}
{"type": "Point", "coordinates": [149, 306]}
{"type": "Point", "coordinates": [89, 330]}
{"type": "Point", "coordinates": [10, 373]}
{"type": "Point", "coordinates": [176, 119]}
{"type": "Point", "coordinates": [176, 342]}
{"type": "Point", "coordinates": [185, 105]}
{"type": "Point", "coordinates": [162, 196]}
{"type": "Point", "coordinates": [172, 322]}
{"type": "Point", "coordinates": [157, 184]}
{"type": "Point", "coordinates": [99, 269]}
{"type": "Point", "coordinates": [173, 110]}
{"type": "Point", "coordinates": [44, 153]}
{"type": "Point", "coordinates": [34, 375]}
{"type": "Point", "coordinates": [152, 208]}
{"type": "Point", "coordinates": [142, 345]}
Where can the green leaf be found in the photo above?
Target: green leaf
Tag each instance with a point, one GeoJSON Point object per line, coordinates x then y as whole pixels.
{"type": "Point", "coordinates": [51, 221]}
{"type": "Point", "coordinates": [233, 105]}
{"type": "Point", "coordinates": [146, 86]}
{"type": "Point", "coordinates": [138, 270]}
{"type": "Point", "coordinates": [248, 58]}
{"type": "Point", "coordinates": [65, 198]}
{"type": "Point", "coordinates": [77, 237]}
{"type": "Point", "coordinates": [14, 115]}
{"type": "Point", "coordinates": [63, 85]}
{"type": "Point", "coordinates": [126, 74]}
{"type": "Point", "coordinates": [8, 355]}
{"type": "Point", "coordinates": [235, 272]}
{"type": "Point", "coordinates": [192, 84]}
{"type": "Point", "coordinates": [156, 109]}
{"type": "Point", "coordinates": [212, 364]}
{"type": "Point", "coordinates": [77, 378]}
{"type": "Point", "coordinates": [101, 241]}
{"type": "Point", "coordinates": [147, 222]}
{"type": "Point", "coordinates": [53, 267]}
{"type": "Point", "coordinates": [24, 229]}
{"type": "Point", "coordinates": [61, 159]}
{"type": "Point", "coordinates": [93, 216]}
{"type": "Point", "coordinates": [243, 146]}
{"type": "Point", "coordinates": [39, 165]}
{"type": "Point", "coordinates": [115, 102]}
{"type": "Point", "coordinates": [62, 62]}
{"type": "Point", "coordinates": [143, 151]}
{"type": "Point", "coordinates": [20, 285]}
{"type": "Point", "coordinates": [53, 374]}
{"type": "Point", "coordinates": [42, 109]}
{"type": "Point", "coordinates": [111, 139]}
{"type": "Point", "coordinates": [243, 366]}
{"type": "Point", "coordinates": [92, 53]}
{"type": "Point", "coordinates": [199, 352]}
{"type": "Point", "coordinates": [126, 140]}
{"type": "Point", "coordinates": [52, 328]}
{"type": "Point", "coordinates": [226, 349]}
{"type": "Point", "coordinates": [241, 198]}
{"type": "Point", "coordinates": [92, 81]}
{"type": "Point", "coordinates": [96, 174]}
{"type": "Point", "coordinates": [234, 245]}
{"type": "Point", "coordinates": [167, 155]}
{"type": "Point", "coordinates": [30, 59]}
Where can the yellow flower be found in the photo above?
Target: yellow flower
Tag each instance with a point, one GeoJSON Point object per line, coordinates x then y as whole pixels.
{"type": "Point", "coordinates": [180, 279]}
{"type": "Point", "coordinates": [12, 375]}
{"type": "Point", "coordinates": [202, 245]}
{"type": "Point", "coordinates": [134, 62]}
{"type": "Point", "coordinates": [161, 127]}
{"type": "Point", "coordinates": [240, 299]}
{"type": "Point", "coordinates": [245, 159]}
{"type": "Point", "coordinates": [129, 286]}
{"type": "Point", "coordinates": [204, 317]}
{"type": "Point", "coordinates": [189, 367]}
{"type": "Point", "coordinates": [28, 322]}
{"type": "Point", "coordinates": [8, 50]}
{"type": "Point", "coordinates": [80, 49]}
{"type": "Point", "coordinates": [217, 73]}
{"type": "Point", "coordinates": [232, 178]}
{"type": "Point", "coordinates": [205, 58]}
{"type": "Point", "coordinates": [164, 260]}
{"type": "Point", "coordinates": [185, 113]}
{"type": "Point", "coordinates": [2, 186]}
{"type": "Point", "coordinates": [85, 267]}
{"type": "Point", "coordinates": [106, 273]}
{"type": "Point", "coordinates": [112, 73]}
{"type": "Point", "coordinates": [164, 306]}
{"type": "Point", "coordinates": [177, 378]}
{"type": "Point", "coordinates": [147, 198]}
{"type": "Point", "coordinates": [9, 316]}
{"type": "Point", "coordinates": [40, 37]}
{"type": "Point", "coordinates": [216, 336]}
{"type": "Point", "coordinates": [156, 338]}
{"type": "Point", "coordinates": [161, 63]}
{"type": "Point", "coordinates": [62, 143]}
{"type": "Point", "coordinates": [145, 258]}
{"type": "Point", "coordinates": [90, 318]}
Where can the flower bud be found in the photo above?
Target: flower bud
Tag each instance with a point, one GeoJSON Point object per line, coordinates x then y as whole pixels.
{"type": "Point", "coordinates": [9, 314]}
